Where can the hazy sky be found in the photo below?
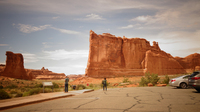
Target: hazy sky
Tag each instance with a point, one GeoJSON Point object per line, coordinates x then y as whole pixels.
{"type": "Point", "coordinates": [55, 33]}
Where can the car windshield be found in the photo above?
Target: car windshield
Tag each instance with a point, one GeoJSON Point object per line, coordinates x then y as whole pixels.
{"type": "Point", "coordinates": [194, 74]}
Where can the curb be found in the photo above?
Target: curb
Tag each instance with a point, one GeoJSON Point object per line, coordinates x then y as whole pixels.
{"type": "Point", "coordinates": [41, 100]}
{"type": "Point", "coordinates": [32, 102]}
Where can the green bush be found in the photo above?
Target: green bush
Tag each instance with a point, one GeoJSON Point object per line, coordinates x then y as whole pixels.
{"type": "Point", "coordinates": [24, 89]}
{"type": "Point", "coordinates": [91, 85]}
{"type": "Point", "coordinates": [12, 86]}
{"type": "Point", "coordinates": [39, 85]}
{"type": "Point", "coordinates": [125, 80]}
{"type": "Point", "coordinates": [4, 94]}
{"type": "Point", "coordinates": [166, 79]}
{"type": "Point", "coordinates": [35, 91]}
{"type": "Point", "coordinates": [55, 85]}
{"type": "Point", "coordinates": [80, 87]}
{"type": "Point", "coordinates": [47, 90]}
{"type": "Point", "coordinates": [13, 92]}
{"type": "Point", "coordinates": [26, 94]}
{"type": "Point", "coordinates": [149, 78]}
{"type": "Point", "coordinates": [19, 94]}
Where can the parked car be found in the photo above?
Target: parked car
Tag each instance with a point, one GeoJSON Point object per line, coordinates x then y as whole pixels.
{"type": "Point", "coordinates": [178, 82]}
{"type": "Point", "coordinates": [194, 80]}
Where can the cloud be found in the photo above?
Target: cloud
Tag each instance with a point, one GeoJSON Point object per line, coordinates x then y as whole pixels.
{"type": "Point", "coordinates": [4, 45]}
{"type": "Point", "coordinates": [57, 17]}
{"type": "Point", "coordinates": [65, 31]}
{"type": "Point", "coordinates": [91, 17]}
{"type": "Point", "coordinates": [29, 58]}
{"type": "Point", "coordinates": [29, 28]}
{"type": "Point", "coordinates": [142, 18]}
{"type": "Point", "coordinates": [129, 26]}
{"type": "Point", "coordinates": [62, 54]}
{"type": "Point", "coordinates": [184, 16]}
{"type": "Point", "coordinates": [75, 7]}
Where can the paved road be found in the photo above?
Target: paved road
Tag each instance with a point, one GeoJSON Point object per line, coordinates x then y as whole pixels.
{"type": "Point", "coordinates": [136, 99]}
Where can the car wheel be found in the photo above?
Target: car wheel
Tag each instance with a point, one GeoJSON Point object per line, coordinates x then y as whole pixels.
{"type": "Point", "coordinates": [183, 85]}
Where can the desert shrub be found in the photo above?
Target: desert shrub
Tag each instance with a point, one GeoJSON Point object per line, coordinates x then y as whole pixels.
{"type": "Point", "coordinates": [22, 82]}
{"type": "Point", "coordinates": [80, 87]}
{"type": "Point", "coordinates": [39, 85]}
{"type": "Point", "coordinates": [35, 91]}
{"type": "Point", "coordinates": [4, 94]}
{"type": "Point", "coordinates": [26, 94]}
{"type": "Point", "coordinates": [12, 86]}
{"type": "Point", "coordinates": [23, 89]}
{"type": "Point", "coordinates": [13, 92]}
{"type": "Point", "coordinates": [19, 94]}
{"type": "Point", "coordinates": [1, 87]}
{"type": "Point", "coordinates": [166, 79]}
{"type": "Point", "coordinates": [149, 78]}
{"type": "Point", "coordinates": [91, 85]}
{"type": "Point", "coordinates": [125, 80]}
{"type": "Point", "coordinates": [143, 82]}
{"type": "Point", "coordinates": [55, 85]}
{"type": "Point", "coordinates": [47, 90]}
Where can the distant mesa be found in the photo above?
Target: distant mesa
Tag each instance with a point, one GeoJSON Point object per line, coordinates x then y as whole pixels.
{"type": "Point", "coordinates": [45, 74]}
{"type": "Point", "coordinates": [111, 56]}
{"type": "Point", "coordinates": [14, 68]}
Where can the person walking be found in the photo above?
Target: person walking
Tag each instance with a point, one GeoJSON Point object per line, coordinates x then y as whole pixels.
{"type": "Point", "coordinates": [66, 84]}
{"type": "Point", "coordinates": [104, 82]}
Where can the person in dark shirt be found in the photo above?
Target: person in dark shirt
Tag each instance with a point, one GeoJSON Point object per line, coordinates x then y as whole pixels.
{"type": "Point", "coordinates": [66, 84]}
{"type": "Point", "coordinates": [104, 82]}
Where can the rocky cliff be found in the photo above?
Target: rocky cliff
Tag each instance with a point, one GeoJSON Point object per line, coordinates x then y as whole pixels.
{"type": "Point", "coordinates": [15, 66]}
{"type": "Point", "coordinates": [111, 56]}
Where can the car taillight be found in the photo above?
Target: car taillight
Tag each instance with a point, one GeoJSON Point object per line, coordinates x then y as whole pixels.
{"type": "Point", "coordinates": [173, 80]}
{"type": "Point", "coordinates": [195, 78]}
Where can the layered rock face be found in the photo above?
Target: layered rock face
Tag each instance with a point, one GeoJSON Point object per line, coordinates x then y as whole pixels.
{"type": "Point", "coordinates": [111, 56]}
{"type": "Point", "coordinates": [45, 74]}
{"type": "Point", "coordinates": [15, 66]}
{"type": "Point", "coordinates": [190, 63]}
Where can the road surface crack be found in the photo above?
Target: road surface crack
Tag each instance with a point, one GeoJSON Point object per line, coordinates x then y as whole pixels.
{"type": "Point", "coordinates": [161, 97]}
{"type": "Point", "coordinates": [87, 103]}
{"type": "Point", "coordinates": [138, 102]}
{"type": "Point", "coordinates": [169, 107]}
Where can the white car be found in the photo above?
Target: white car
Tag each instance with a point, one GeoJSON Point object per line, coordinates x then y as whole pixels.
{"type": "Point", "coordinates": [181, 81]}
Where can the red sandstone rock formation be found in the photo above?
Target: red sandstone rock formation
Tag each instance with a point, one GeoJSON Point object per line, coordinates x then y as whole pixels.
{"type": "Point", "coordinates": [74, 76]}
{"type": "Point", "coordinates": [15, 66]}
{"type": "Point", "coordinates": [111, 56]}
{"type": "Point", "coordinates": [45, 74]}
{"type": "Point", "coordinates": [190, 62]}
{"type": "Point", "coordinates": [161, 63]}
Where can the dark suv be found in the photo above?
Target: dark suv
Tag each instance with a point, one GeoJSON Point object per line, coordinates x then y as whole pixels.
{"type": "Point", "coordinates": [194, 80]}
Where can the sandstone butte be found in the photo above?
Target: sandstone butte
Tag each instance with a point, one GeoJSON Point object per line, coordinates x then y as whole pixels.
{"type": "Point", "coordinates": [14, 68]}
{"type": "Point", "coordinates": [111, 56]}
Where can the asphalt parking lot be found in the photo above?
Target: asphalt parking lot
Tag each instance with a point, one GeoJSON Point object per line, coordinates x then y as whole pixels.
{"type": "Point", "coordinates": [135, 99]}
